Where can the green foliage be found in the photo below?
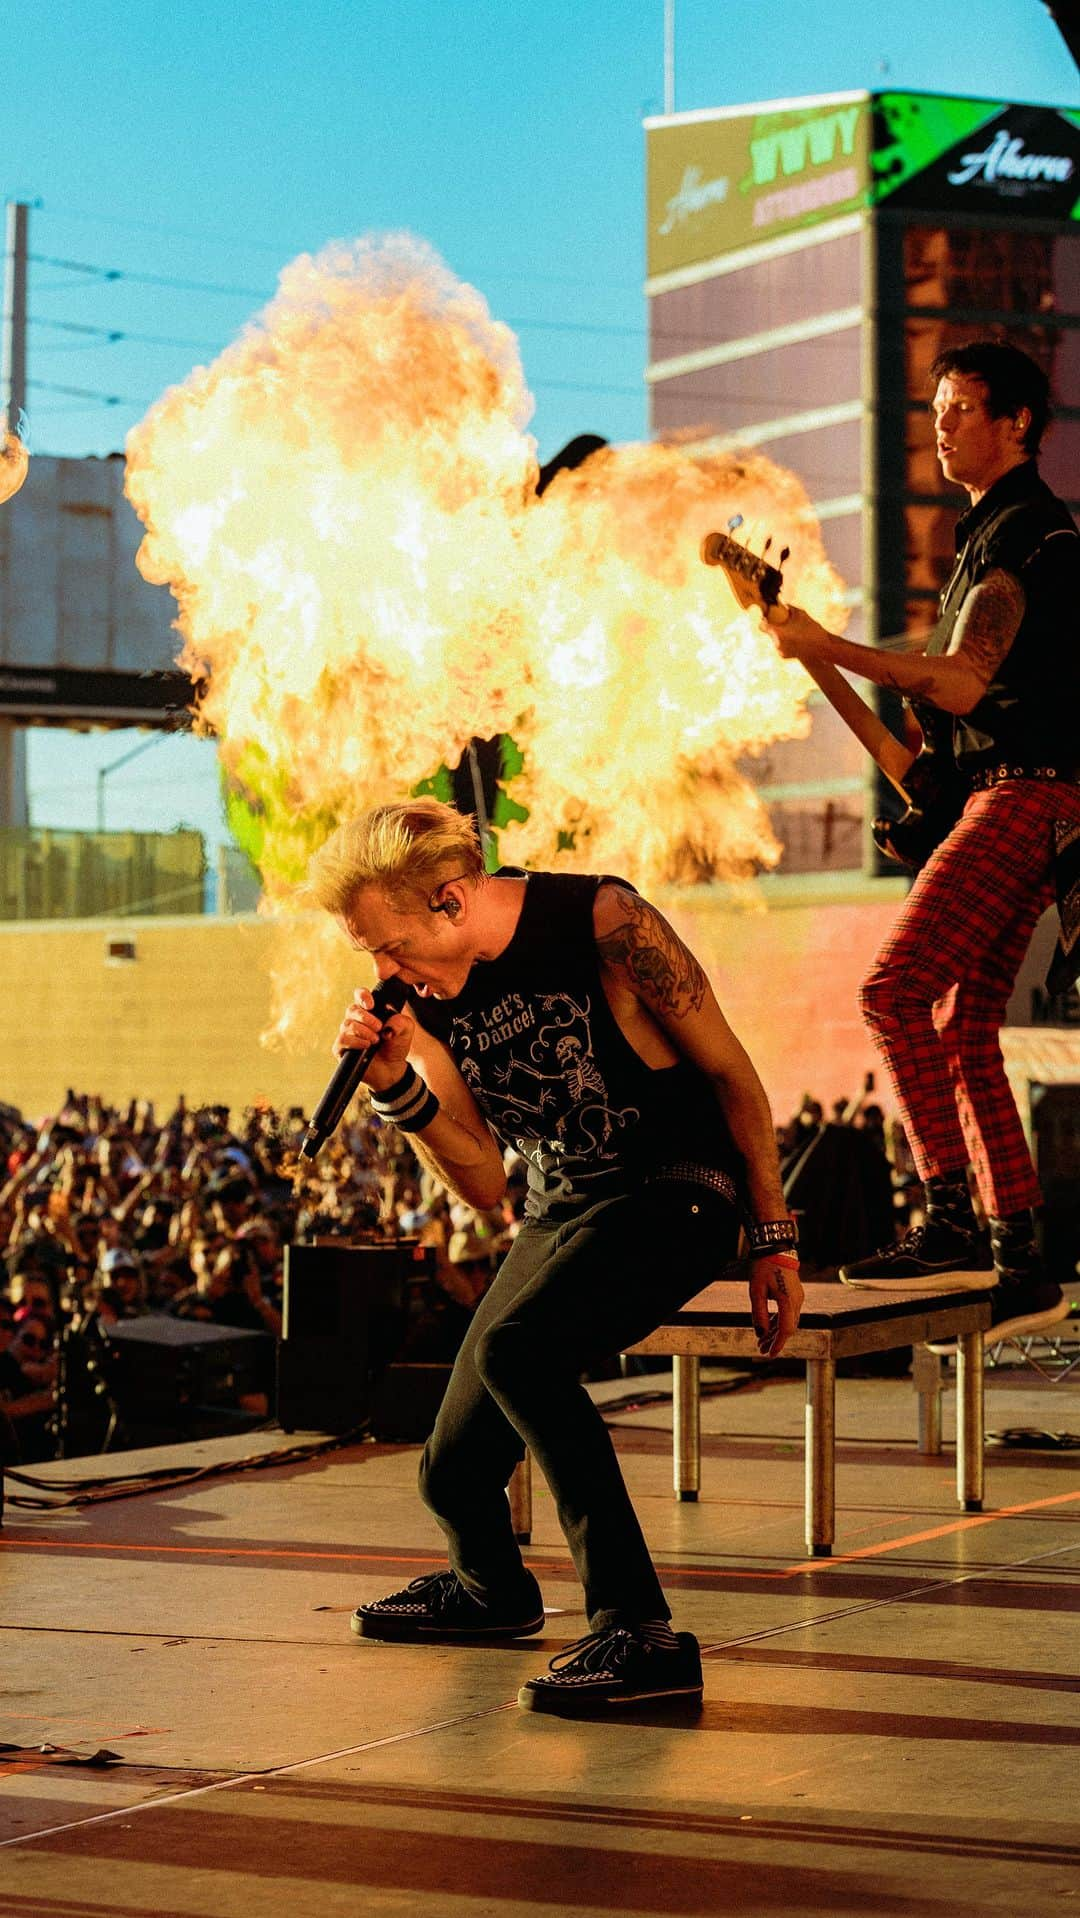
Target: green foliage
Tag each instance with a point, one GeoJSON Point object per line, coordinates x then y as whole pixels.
{"type": "Point", "coordinates": [438, 785]}
{"type": "Point", "coordinates": [279, 841]}
{"type": "Point", "coordinates": [262, 817]}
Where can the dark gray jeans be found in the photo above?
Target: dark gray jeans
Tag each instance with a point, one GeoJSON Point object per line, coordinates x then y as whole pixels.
{"type": "Point", "coordinates": [566, 1296]}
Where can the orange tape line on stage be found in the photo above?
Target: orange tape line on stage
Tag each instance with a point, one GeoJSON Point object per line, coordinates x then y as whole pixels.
{"type": "Point", "coordinates": [965, 1524]}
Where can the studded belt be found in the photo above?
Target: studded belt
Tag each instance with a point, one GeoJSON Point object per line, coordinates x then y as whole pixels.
{"type": "Point", "coordinates": [991, 776]}
{"type": "Point", "coordinates": [686, 1172]}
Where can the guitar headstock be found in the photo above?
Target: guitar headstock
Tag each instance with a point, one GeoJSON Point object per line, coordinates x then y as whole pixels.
{"type": "Point", "coordinates": [754, 582]}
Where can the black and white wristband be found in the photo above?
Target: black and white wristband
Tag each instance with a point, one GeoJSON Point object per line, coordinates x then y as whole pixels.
{"type": "Point", "coordinates": [409, 1104]}
{"type": "Point", "coordinates": [767, 1237]}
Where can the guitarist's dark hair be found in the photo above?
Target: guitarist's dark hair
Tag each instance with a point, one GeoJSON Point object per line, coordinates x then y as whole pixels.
{"type": "Point", "coordinates": [1012, 379]}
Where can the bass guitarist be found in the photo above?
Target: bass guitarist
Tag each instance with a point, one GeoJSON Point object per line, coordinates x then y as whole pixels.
{"type": "Point", "coordinates": [998, 689]}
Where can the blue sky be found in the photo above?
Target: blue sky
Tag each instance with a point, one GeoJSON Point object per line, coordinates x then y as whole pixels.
{"type": "Point", "coordinates": [208, 144]}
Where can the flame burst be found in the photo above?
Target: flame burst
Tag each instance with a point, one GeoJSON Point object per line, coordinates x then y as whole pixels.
{"type": "Point", "coordinates": [344, 506]}
{"type": "Point", "coordinates": [14, 465]}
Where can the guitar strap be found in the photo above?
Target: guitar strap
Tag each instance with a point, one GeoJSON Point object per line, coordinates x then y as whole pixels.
{"type": "Point", "coordinates": [961, 558]}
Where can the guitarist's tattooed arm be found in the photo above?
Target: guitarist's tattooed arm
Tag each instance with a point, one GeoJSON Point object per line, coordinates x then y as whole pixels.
{"type": "Point", "coordinates": [956, 681]}
{"type": "Point", "coordinates": [988, 623]}
{"type": "Point", "coordinates": [923, 776]}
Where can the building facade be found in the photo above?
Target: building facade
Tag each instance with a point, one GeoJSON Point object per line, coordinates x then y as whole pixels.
{"type": "Point", "coordinates": [806, 260]}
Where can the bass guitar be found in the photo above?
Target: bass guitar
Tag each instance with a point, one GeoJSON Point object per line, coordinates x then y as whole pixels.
{"type": "Point", "coordinates": [926, 782]}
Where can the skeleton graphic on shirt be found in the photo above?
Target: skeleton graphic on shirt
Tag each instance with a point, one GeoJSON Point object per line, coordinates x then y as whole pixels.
{"type": "Point", "coordinates": [555, 1100]}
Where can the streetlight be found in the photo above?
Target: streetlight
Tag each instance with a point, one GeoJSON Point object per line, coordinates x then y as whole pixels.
{"type": "Point", "coordinates": [104, 771]}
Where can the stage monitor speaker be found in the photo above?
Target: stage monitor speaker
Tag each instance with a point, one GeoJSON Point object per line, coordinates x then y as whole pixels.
{"type": "Point", "coordinates": [156, 1381]}
{"type": "Point", "coordinates": [1055, 1123]}
{"type": "Point", "coordinates": [346, 1311]}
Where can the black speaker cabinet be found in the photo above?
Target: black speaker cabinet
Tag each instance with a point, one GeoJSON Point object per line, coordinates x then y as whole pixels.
{"type": "Point", "coordinates": [346, 1311]}
{"type": "Point", "coordinates": [156, 1381]}
{"type": "Point", "coordinates": [1055, 1123]}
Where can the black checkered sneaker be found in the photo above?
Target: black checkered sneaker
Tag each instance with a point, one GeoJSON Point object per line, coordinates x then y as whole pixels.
{"type": "Point", "coordinates": [623, 1666]}
{"type": "Point", "coordinates": [438, 1606]}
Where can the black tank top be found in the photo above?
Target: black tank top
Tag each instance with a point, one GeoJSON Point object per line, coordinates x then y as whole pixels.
{"type": "Point", "coordinates": [1028, 715]}
{"type": "Point", "coordinates": [537, 1044]}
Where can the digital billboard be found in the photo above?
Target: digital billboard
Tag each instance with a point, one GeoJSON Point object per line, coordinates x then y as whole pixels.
{"type": "Point", "coordinates": [721, 181]}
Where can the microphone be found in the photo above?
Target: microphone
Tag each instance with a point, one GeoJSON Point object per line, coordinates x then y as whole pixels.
{"type": "Point", "coordinates": [351, 1067]}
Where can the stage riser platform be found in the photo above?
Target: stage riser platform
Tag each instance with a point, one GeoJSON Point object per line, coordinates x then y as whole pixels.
{"type": "Point", "coordinates": [267, 1760]}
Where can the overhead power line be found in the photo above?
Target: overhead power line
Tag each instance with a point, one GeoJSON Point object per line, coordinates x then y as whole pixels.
{"type": "Point", "coordinates": [120, 399]}
{"type": "Point", "coordinates": [284, 249]}
{"type": "Point", "coordinates": [149, 279]}
{"type": "Point", "coordinates": [113, 274]}
{"type": "Point", "coordinates": [86, 393]}
{"type": "Point", "coordinates": [112, 334]}
{"type": "Point", "coordinates": [521, 322]}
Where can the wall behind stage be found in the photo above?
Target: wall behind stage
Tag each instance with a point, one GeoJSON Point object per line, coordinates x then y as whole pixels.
{"type": "Point", "coordinates": [787, 979]}
{"type": "Point", "coordinates": [185, 1014]}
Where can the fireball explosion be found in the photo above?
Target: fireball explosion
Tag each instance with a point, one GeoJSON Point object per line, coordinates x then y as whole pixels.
{"type": "Point", "coordinates": [343, 505]}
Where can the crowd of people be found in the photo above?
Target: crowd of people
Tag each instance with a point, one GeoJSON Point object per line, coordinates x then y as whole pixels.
{"type": "Point", "coordinates": [110, 1214]}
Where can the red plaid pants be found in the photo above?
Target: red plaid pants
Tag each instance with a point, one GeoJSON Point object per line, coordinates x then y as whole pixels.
{"type": "Point", "coordinates": [935, 999]}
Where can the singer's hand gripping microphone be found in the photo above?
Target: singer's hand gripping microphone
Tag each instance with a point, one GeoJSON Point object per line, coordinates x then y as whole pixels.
{"type": "Point", "coordinates": [351, 1067]}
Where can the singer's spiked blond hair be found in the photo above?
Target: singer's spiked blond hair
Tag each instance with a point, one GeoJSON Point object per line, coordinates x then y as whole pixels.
{"type": "Point", "coordinates": [407, 851]}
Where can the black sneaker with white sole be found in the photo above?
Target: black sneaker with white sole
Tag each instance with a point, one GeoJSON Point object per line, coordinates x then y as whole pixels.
{"type": "Point", "coordinates": [931, 1257]}
{"type": "Point", "coordinates": [437, 1606]}
{"type": "Point", "coordinates": [623, 1666]}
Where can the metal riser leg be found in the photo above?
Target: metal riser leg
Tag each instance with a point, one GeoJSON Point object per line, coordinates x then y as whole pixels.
{"type": "Point", "coordinates": [820, 1461]}
{"type": "Point", "coordinates": [519, 1492]}
{"type": "Point", "coordinates": [970, 1358]}
{"type": "Point", "coordinates": [686, 1404]}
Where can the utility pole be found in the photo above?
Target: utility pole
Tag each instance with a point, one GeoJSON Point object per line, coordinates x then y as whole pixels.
{"type": "Point", "coordinates": [669, 56]}
{"type": "Point", "coordinates": [13, 371]}
{"type": "Point", "coordinates": [144, 746]}
{"type": "Point", "coordinates": [13, 798]}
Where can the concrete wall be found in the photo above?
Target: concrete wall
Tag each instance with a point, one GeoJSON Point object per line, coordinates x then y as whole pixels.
{"type": "Point", "coordinates": [185, 1014]}
{"type": "Point", "coordinates": [787, 977]}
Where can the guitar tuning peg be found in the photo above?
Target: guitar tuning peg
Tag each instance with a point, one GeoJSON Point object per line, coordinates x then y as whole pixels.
{"type": "Point", "coordinates": [786, 554]}
{"type": "Point", "coordinates": [766, 546]}
{"type": "Point", "coordinates": [734, 522]}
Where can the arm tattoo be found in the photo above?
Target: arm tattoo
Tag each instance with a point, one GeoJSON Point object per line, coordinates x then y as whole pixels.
{"type": "Point", "coordinates": [661, 969]}
{"type": "Point", "coordinates": [989, 621]}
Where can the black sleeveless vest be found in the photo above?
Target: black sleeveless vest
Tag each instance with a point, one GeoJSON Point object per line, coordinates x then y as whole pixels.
{"type": "Point", "coordinates": [1028, 715]}
{"type": "Point", "coordinates": [537, 1044]}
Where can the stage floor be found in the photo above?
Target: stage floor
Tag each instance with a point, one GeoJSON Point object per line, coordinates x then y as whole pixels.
{"type": "Point", "coordinates": [892, 1731]}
